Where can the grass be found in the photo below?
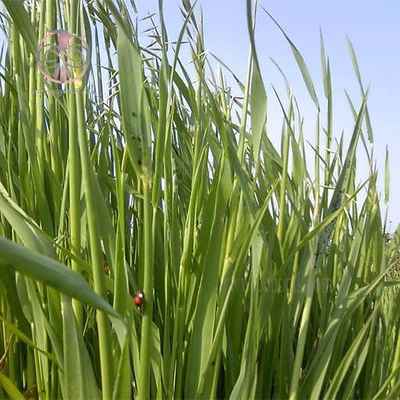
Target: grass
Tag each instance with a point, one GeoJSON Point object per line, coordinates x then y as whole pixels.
{"type": "Point", "coordinates": [264, 276]}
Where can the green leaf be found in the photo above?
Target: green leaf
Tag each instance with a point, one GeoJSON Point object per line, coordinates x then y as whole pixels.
{"type": "Point", "coordinates": [300, 62]}
{"type": "Point", "coordinates": [10, 388]}
{"type": "Point", "coordinates": [387, 176]}
{"type": "Point", "coordinates": [258, 96]}
{"type": "Point", "coordinates": [21, 19]}
{"type": "Point", "coordinates": [363, 91]}
{"type": "Point", "coordinates": [52, 273]}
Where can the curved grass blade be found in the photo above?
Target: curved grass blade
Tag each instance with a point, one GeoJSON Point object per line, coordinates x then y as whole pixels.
{"type": "Point", "coordinates": [52, 273]}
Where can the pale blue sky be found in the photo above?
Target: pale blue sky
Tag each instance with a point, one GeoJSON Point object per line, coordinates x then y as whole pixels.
{"type": "Point", "coordinates": [374, 28]}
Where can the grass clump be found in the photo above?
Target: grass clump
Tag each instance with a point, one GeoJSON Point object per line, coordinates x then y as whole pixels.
{"type": "Point", "coordinates": [262, 277]}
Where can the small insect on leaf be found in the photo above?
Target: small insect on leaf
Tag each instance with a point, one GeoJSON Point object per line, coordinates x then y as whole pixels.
{"type": "Point", "coordinates": [138, 299]}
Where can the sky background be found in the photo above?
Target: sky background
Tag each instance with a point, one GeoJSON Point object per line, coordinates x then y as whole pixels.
{"type": "Point", "coordinates": [372, 26]}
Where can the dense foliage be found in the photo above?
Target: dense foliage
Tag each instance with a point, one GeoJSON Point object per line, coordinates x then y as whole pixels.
{"type": "Point", "coordinates": [263, 276]}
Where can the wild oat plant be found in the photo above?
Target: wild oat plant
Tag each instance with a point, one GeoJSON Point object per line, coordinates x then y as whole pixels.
{"type": "Point", "coordinates": [156, 244]}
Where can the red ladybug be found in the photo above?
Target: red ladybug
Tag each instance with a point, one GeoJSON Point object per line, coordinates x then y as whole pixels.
{"type": "Point", "coordinates": [138, 299]}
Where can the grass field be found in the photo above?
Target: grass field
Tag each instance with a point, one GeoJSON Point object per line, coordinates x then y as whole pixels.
{"type": "Point", "coordinates": [263, 276]}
